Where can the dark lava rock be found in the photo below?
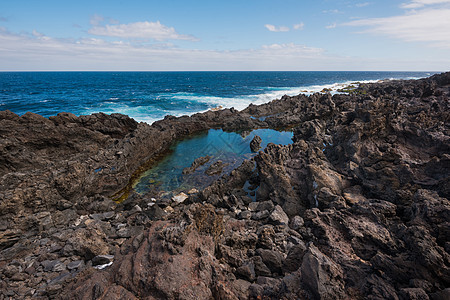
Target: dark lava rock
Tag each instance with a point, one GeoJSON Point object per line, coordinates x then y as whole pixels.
{"type": "Point", "coordinates": [102, 259]}
{"type": "Point", "coordinates": [197, 163]}
{"type": "Point", "coordinates": [364, 188]}
{"type": "Point", "coordinates": [216, 168]}
{"type": "Point", "coordinates": [294, 258]}
{"type": "Point", "coordinates": [272, 259]}
{"type": "Point", "coordinates": [77, 264]}
{"type": "Point", "coordinates": [247, 271]}
{"type": "Point", "coordinates": [255, 144]}
{"type": "Point", "coordinates": [278, 216]}
{"type": "Point", "coordinates": [296, 223]}
{"type": "Point", "coordinates": [260, 267]}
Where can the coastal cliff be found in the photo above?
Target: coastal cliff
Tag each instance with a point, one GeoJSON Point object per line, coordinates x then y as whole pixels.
{"type": "Point", "coordinates": [357, 207]}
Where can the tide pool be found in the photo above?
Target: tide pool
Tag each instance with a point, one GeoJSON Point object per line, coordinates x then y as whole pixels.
{"type": "Point", "coordinates": [230, 148]}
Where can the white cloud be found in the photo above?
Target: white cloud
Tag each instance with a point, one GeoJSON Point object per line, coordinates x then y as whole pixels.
{"type": "Point", "coordinates": [421, 3]}
{"type": "Point", "coordinates": [331, 26]}
{"type": "Point", "coordinates": [430, 25]}
{"type": "Point", "coordinates": [362, 4]}
{"type": "Point", "coordinates": [140, 30]}
{"type": "Point", "coordinates": [29, 52]}
{"type": "Point", "coordinates": [96, 20]}
{"type": "Point", "coordinates": [332, 11]}
{"type": "Point", "coordinates": [293, 48]}
{"type": "Point", "coordinates": [274, 28]}
{"type": "Point", "coordinates": [299, 26]}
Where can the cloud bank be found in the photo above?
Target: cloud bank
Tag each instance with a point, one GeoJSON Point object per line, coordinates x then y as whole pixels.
{"type": "Point", "coordinates": [139, 30]}
{"type": "Point", "coordinates": [274, 28]}
{"type": "Point", "coordinates": [427, 24]}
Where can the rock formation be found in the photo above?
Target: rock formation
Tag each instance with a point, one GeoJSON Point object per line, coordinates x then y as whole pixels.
{"type": "Point", "coordinates": [357, 207]}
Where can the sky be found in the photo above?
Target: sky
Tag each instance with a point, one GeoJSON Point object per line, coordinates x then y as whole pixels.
{"type": "Point", "coordinates": [243, 35]}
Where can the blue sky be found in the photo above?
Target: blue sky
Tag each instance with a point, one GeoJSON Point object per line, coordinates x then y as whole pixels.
{"type": "Point", "coordinates": [255, 35]}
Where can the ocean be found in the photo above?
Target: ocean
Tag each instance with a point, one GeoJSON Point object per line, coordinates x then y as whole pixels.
{"type": "Point", "coordinates": [149, 96]}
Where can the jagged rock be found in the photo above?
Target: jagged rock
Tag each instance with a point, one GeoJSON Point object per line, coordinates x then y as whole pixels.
{"type": "Point", "coordinates": [180, 197]}
{"type": "Point", "coordinates": [322, 276]}
{"type": "Point", "coordinates": [197, 163]}
{"type": "Point", "coordinates": [53, 266]}
{"type": "Point", "coordinates": [260, 267]}
{"type": "Point", "coordinates": [77, 264]}
{"type": "Point", "coordinates": [413, 294]}
{"type": "Point", "coordinates": [216, 168]}
{"type": "Point", "coordinates": [102, 260]}
{"type": "Point", "coordinates": [261, 206]}
{"type": "Point", "coordinates": [247, 271]}
{"type": "Point", "coordinates": [366, 181]}
{"type": "Point", "coordinates": [255, 144]}
{"type": "Point", "coordinates": [272, 259]}
{"type": "Point", "coordinates": [441, 295]}
{"type": "Point", "coordinates": [88, 242]}
{"type": "Point", "coordinates": [278, 216]}
{"type": "Point", "coordinates": [294, 258]}
{"type": "Point", "coordinates": [296, 223]}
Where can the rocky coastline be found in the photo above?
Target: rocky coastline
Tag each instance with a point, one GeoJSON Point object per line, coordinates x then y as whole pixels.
{"type": "Point", "coordinates": [357, 207]}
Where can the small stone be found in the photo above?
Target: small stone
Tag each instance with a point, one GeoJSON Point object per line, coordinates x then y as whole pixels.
{"type": "Point", "coordinates": [136, 208]}
{"type": "Point", "coordinates": [244, 215]}
{"type": "Point", "coordinates": [247, 271]}
{"type": "Point", "coordinates": [102, 259]}
{"type": "Point", "coordinates": [77, 264]}
{"type": "Point", "coordinates": [19, 277]}
{"type": "Point", "coordinates": [192, 191]}
{"type": "Point", "coordinates": [54, 289]}
{"type": "Point", "coordinates": [180, 197]}
{"type": "Point", "coordinates": [59, 267]}
{"type": "Point", "coordinates": [169, 209]}
{"type": "Point", "coordinates": [265, 205]}
{"type": "Point", "coordinates": [10, 270]}
{"type": "Point", "coordinates": [53, 266]}
{"type": "Point", "coordinates": [294, 258]}
{"type": "Point", "coordinates": [30, 270]}
{"type": "Point", "coordinates": [278, 216]}
{"type": "Point", "coordinates": [123, 232]}
{"type": "Point", "coordinates": [260, 268]}
{"type": "Point", "coordinates": [260, 215]}
{"type": "Point", "coordinates": [272, 259]}
{"type": "Point", "coordinates": [108, 215]}
{"type": "Point", "coordinates": [256, 291]}
{"type": "Point", "coordinates": [441, 295]}
{"type": "Point", "coordinates": [296, 223]}
{"type": "Point", "coordinates": [252, 206]}
{"type": "Point", "coordinates": [414, 293]}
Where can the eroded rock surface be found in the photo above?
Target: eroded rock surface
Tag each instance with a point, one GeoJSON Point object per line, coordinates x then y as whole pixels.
{"type": "Point", "coordinates": [357, 207]}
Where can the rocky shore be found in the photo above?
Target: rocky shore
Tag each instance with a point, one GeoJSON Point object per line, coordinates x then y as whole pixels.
{"type": "Point", "coordinates": [357, 207]}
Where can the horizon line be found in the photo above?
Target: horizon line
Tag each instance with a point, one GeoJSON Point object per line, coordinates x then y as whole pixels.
{"type": "Point", "coordinates": [174, 71]}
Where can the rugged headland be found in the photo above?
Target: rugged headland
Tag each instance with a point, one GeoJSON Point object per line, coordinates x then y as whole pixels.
{"type": "Point", "coordinates": [357, 207]}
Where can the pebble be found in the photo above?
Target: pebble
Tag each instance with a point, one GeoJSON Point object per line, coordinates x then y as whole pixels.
{"type": "Point", "coordinates": [75, 264]}
{"type": "Point", "coordinates": [180, 197]}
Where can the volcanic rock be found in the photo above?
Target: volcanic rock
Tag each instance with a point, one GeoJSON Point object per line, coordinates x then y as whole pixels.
{"type": "Point", "coordinates": [255, 144]}
{"type": "Point", "coordinates": [364, 188]}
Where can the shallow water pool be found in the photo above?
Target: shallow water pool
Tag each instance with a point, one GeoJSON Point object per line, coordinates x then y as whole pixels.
{"type": "Point", "coordinates": [231, 148]}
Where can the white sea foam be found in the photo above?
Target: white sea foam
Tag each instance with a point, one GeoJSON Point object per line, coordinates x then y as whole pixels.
{"type": "Point", "coordinates": [194, 103]}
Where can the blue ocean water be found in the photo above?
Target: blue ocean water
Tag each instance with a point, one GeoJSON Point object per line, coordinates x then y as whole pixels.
{"type": "Point", "coordinates": [149, 96]}
{"type": "Point", "coordinates": [231, 148]}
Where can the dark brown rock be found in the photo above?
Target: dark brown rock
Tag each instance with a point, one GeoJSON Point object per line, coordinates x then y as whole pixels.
{"type": "Point", "coordinates": [365, 185]}
{"type": "Point", "coordinates": [255, 144]}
